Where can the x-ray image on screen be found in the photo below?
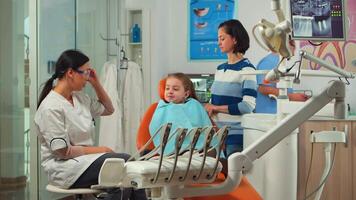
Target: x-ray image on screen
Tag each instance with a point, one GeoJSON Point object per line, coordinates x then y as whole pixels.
{"type": "Point", "coordinates": [317, 19]}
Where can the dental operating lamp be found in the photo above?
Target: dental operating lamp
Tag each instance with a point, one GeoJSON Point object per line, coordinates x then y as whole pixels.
{"type": "Point", "coordinates": [274, 36]}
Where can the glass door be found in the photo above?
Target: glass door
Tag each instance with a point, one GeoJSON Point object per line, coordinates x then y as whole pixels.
{"type": "Point", "coordinates": [56, 26]}
{"type": "Point", "coordinates": [14, 101]}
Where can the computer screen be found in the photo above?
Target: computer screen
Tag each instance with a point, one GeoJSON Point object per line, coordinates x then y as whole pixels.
{"type": "Point", "coordinates": [318, 19]}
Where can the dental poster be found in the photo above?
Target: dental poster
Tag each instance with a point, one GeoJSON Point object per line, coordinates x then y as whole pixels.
{"type": "Point", "coordinates": [205, 17]}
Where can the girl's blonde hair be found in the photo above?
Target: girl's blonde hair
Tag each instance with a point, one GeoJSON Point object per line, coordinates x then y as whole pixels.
{"type": "Point", "coordinates": [187, 83]}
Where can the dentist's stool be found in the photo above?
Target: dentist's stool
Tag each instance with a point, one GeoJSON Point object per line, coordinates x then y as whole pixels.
{"type": "Point", "coordinates": [78, 192]}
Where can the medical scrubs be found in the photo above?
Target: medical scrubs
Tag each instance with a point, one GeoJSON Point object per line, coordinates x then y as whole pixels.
{"type": "Point", "coordinates": [59, 125]}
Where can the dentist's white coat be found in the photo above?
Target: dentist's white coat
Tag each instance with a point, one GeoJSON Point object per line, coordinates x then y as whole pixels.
{"type": "Point", "coordinates": [111, 130]}
{"type": "Point", "coordinates": [132, 105]}
{"type": "Point", "coordinates": [60, 124]}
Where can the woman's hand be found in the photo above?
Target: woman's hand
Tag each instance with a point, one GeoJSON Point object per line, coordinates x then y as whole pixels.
{"type": "Point", "coordinates": [210, 109]}
{"type": "Point", "coordinates": [268, 90]}
{"type": "Point", "coordinates": [93, 77]}
{"type": "Point", "coordinates": [106, 149]}
{"type": "Point", "coordinates": [298, 97]}
{"type": "Point", "coordinates": [101, 93]}
{"type": "Point", "coordinates": [214, 109]}
{"type": "Point", "coordinates": [96, 149]}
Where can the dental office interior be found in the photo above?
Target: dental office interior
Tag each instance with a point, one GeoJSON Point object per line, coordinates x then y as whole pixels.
{"type": "Point", "coordinates": [301, 152]}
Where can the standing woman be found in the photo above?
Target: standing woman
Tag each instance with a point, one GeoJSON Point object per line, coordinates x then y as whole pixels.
{"type": "Point", "coordinates": [233, 94]}
{"type": "Point", "coordinates": [65, 125]}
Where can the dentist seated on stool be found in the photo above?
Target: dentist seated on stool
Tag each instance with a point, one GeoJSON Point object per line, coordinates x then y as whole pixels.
{"type": "Point", "coordinates": [65, 125]}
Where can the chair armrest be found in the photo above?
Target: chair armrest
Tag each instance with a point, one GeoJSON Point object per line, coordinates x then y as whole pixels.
{"type": "Point", "coordinates": [111, 172]}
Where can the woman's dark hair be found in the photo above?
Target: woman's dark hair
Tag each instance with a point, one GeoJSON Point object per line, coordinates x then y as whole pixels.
{"type": "Point", "coordinates": [69, 59]}
{"type": "Point", "coordinates": [235, 29]}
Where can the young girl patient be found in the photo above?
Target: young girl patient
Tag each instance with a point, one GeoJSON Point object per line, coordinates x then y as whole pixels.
{"type": "Point", "coordinates": [181, 108]}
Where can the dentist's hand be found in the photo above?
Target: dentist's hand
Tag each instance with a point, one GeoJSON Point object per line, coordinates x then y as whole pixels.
{"type": "Point", "coordinates": [101, 93]}
{"type": "Point", "coordinates": [93, 78]}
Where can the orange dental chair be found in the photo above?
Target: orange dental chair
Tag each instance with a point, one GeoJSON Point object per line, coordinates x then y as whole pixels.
{"type": "Point", "coordinates": [244, 191]}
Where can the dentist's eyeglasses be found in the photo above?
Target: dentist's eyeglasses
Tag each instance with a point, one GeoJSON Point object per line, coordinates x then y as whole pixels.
{"type": "Point", "coordinates": [85, 73]}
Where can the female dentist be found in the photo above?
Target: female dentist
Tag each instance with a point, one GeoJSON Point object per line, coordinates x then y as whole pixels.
{"type": "Point", "coordinates": [65, 125]}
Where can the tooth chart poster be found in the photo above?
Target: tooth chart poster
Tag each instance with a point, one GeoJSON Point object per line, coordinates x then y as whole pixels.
{"type": "Point", "coordinates": [204, 19]}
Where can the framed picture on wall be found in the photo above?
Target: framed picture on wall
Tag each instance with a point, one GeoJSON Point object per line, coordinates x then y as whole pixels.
{"type": "Point", "coordinates": [204, 19]}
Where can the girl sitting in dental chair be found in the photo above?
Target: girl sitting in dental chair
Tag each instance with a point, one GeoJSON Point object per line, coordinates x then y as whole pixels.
{"type": "Point", "coordinates": [179, 107]}
{"type": "Point", "coordinates": [245, 191]}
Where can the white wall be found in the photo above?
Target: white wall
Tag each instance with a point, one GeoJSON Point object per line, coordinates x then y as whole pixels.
{"type": "Point", "coordinates": [169, 36]}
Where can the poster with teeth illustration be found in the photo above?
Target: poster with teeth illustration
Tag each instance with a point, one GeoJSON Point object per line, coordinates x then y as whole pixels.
{"type": "Point", "coordinates": [205, 17]}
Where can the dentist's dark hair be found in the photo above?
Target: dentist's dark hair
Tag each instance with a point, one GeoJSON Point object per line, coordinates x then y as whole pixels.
{"type": "Point", "coordinates": [236, 30]}
{"type": "Point", "coordinates": [69, 59]}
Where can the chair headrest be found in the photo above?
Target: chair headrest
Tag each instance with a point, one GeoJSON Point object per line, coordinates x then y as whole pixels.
{"type": "Point", "coordinates": [161, 88]}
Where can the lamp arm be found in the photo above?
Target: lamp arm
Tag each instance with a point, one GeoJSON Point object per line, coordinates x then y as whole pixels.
{"type": "Point", "coordinates": [241, 162]}
{"type": "Point", "coordinates": [329, 66]}
{"type": "Point", "coordinates": [276, 7]}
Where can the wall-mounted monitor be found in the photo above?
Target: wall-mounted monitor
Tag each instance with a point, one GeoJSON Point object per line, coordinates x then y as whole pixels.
{"type": "Point", "coordinates": [318, 19]}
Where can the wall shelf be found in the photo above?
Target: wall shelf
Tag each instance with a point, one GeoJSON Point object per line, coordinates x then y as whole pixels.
{"type": "Point", "coordinates": [135, 43]}
{"type": "Point", "coordinates": [139, 52]}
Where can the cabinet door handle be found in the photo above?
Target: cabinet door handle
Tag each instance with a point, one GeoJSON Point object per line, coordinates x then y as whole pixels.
{"type": "Point", "coordinates": [346, 130]}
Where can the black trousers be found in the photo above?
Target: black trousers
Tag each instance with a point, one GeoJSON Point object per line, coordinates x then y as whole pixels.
{"type": "Point", "coordinates": [90, 177]}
